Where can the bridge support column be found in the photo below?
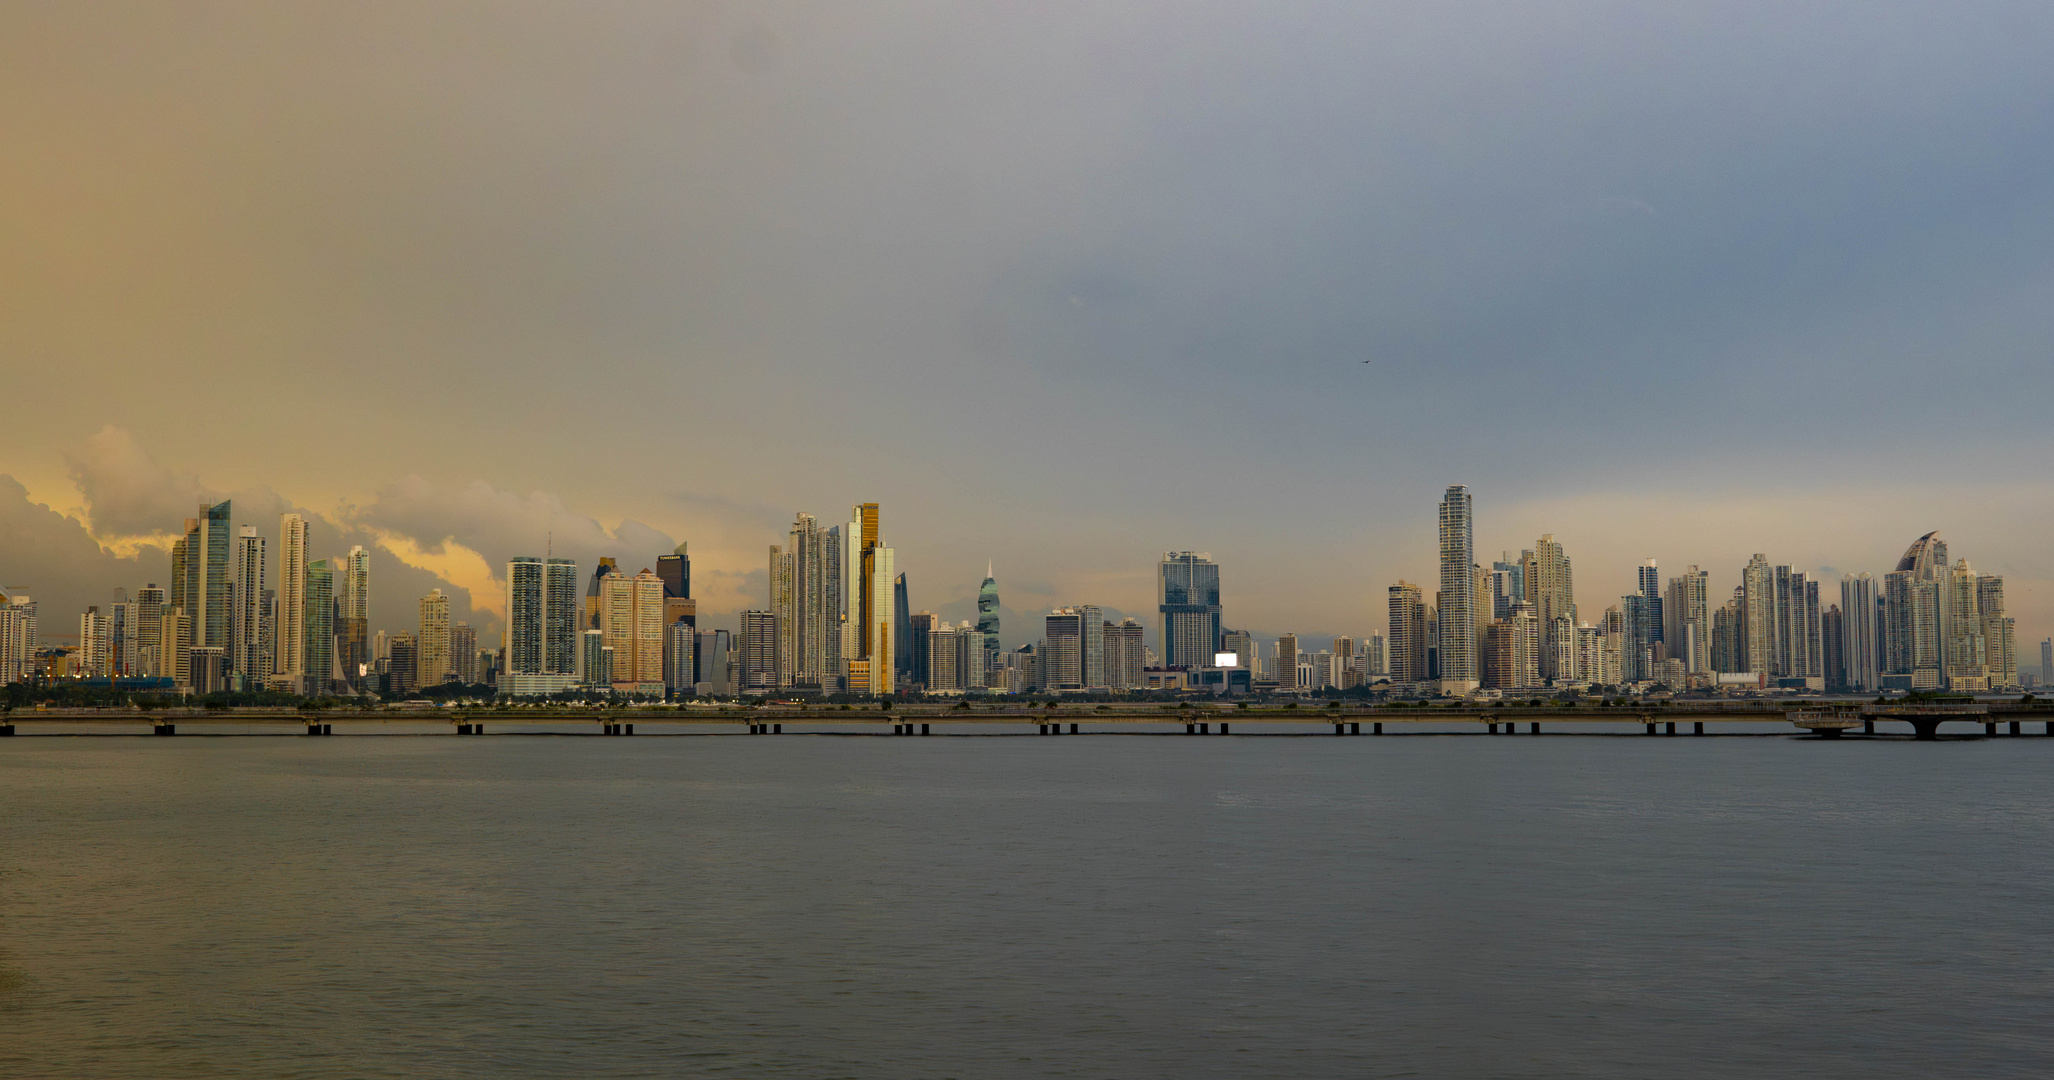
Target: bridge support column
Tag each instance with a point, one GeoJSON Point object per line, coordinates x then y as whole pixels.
{"type": "Point", "coordinates": [1223, 727]}
{"type": "Point", "coordinates": [923, 729]}
{"type": "Point", "coordinates": [2014, 727]}
{"type": "Point", "coordinates": [1868, 725]}
{"type": "Point", "coordinates": [1925, 728]}
{"type": "Point", "coordinates": [1700, 728]}
{"type": "Point", "coordinates": [629, 729]}
{"type": "Point", "coordinates": [1376, 727]}
{"type": "Point", "coordinates": [164, 729]}
{"type": "Point", "coordinates": [1192, 729]}
{"type": "Point", "coordinates": [1354, 728]}
{"type": "Point", "coordinates": [1493, 727]}
{"type": "Point", "coordinates": [1073, 729]}
{"type": "Point", "coordinates": [461, 729]}
{"type": "Point", "coordinates": [1535, 729]}
{"type": "Point", "coordinates": [6, 731]}
{"type": "Point", "coordinates": [1651, 727]}
{"type": "Point", "coordinates": [1990, 728]}
{"type": "Point", "coordinates": [1670, 729]}
{"type": "Point", "coordinates": [1205, 729]}
{"type": "Point", "coordinates": [2050, 727]}
{"type": "Point", "coordinates": [1337, 729]}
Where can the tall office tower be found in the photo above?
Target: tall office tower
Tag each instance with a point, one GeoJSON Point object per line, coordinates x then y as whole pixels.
{"type": "Point", "coordinates": [1589, 649]}
{"type": "Point", "coordinates": [1758, 613]}
{"type": "Point", "coordinates": [1552, 588]}
{"type": "Point", "coordinates": [1125, 655]}
{"type": "Point", "coordinates": [437, 656]}
{"type": "Point", "coordinates": [1560, 646]}
{"type": "Point", "coordinates": [1526, 645]}
{"type": "Point", "coordinates": [937, 663]}
{"type": "Point", "coordinates": [902, 614]}
{"type": "Point", "coordinates": [1508, 585]}
{"type": "Point", "coordinates": [987, 617]}
{"type": "Point", "coordinates": [1408, 637]}
{"type": "Point", "coordinates": [606, 568]}
{"type": "Point", "coordinates": [149, 631]}
{"type": "Point", "coordinates": [1187, 591]}
{"type": "Point", "coordinates": [1458, 600]}
{"type": "Point", "coordinates": [186, 571]}
{"type": "Point", "coordinates": [1062, 650]}
{"type": "Point", "coordinates": [1650, 586]}
{"type": "Point", "coordinates": [17, 638]}
{"type": "Point", "coordinates": [463, 654]}
{"type": "Point", "coordinates": [631, 619]}
{"type": "Point", "coordinates": [1637, 641]}
{"type": "Point", "coordinates": [760, 633]}
{"type": "Point", "coordinates": [1998, 628]}
{"type": "Point", "coordinates": [317, 622]}
{"type": "Point", "coordinates": [1092, 656]}
{"type": "Point", "coordinates": [595, 659]}
{"type": "Point", "coordinates": [1913, 606]}
{"type": "Point", "coordinates": [1834, 643]}
{"type": "Point", "coordinates": [1687, 620]}
{"type": "Point", "coordinates": [1612, 647]}
{"type": "Point", "coordinates": [680, 668]}
{"type": "Point", "coordinates": [291, 662]}
{"type": "Point", "coordinates": [1798, 650]}
{"type": "Point", "coordinates": [2047, 662]}
{"type": "Point", "coordinates": [121, 637]}
{"type": "Point", "coordinates": [1374, 662]}
{"type": "Point", "coordinates": [1967, 652]}
{"type": "Point", "coordinates": [1727, 631]}
{"type": "Point", "coordinates": [177, 627]}
{"type": "Point", "coordinates": [1495, 665]}
{"type": "Point", "coordinates": [90, 660]}
{"type": "Point", "coordinates": [1287, 662]}
{"type": "Point", "coordinates": [353, 620]}
{"type": "Point", "coordinates": [920, 631]}
{"type": "Point", "coordinates": [784, 603]}
{"type": "Point", "coordinates": [803, 590]}
{"type": "Point", "coordinates": [675, 571]}
{"type": "Point", "coordinates": [403, 664]}
{"type": "Point", "coordinates": [1858, 632]}
{"type": "Point", "coordinates": [245, 649]}
{"type": "Point", "coordinates": [542, 616]}
{"type": "Point", "coordinates": [852, 602]}
{"type": "Point", "coordinates": [712, 653]}
{"type": "Point", "coordinates": [212, 608]}
{"type": "Point", "coordinates": [883, 636]}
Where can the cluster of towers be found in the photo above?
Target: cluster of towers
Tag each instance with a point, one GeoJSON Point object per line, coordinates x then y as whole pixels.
{"type": "Point", "coordinates": [1932, 625]}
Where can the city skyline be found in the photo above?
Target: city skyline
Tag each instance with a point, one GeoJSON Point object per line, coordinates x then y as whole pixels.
{"type": "Point", "coordinates": [976, 229]}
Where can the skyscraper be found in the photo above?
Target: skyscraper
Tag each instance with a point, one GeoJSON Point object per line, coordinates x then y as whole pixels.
{"type": "Point", "coordinates": [1458, 607]}
{"type": "Point", "coordinates": [675, 571]}
{"type": "Point", "coordinates": [1062, 650]}
{"type": "Point", "coordinates": [987, 617]}
{"type": "Point", "coordinates": [1687, 620]}
{"type": "Point", "coordinates": [1551, 586]}
{"type": "Point", "coordinates": [149, 633]}
{"type": "Point", "coordinates": [1188, 599]}
{"type": "Point", "coordinates": [1636, 637]}
{"type": "Point", "coordinates": [1914, 651]}
{"type": "Point", "coordinates": [353, 632]}
{"type": "Point", "coordinates": [290, 663]}
{"type": "Point", "coordinates": [463, 654]}
{"type": "Point", "coordinates": [1408, 636]}
{"type": "Point", "coordinates": [542, 617]}
{"type": "Point", "coordinates": [631, 616]}
{"type": "Point", "coordinates": [1650, 586]}
{"type": "Point", "coordinates": [1287, 663]}
{"type": "Point", "coordinates": [436, 661]}
{"type": "Point", "coordinates": [246, 653]}
{"type": "Point", "coordinates": [317, 650]}
{"type": "Point", "coordinates": [1123, 655]}
{"type": "Point", "coordinates": [213, 607]}
{"type": "Point", "coordinates": [902, 629]}
{"type": "Point", "coordinates": [1758, 615]}
{"type": "Point", "coordinates": [1858, 647]}
{"type": "Point", "coordinates": [1835, 643]}
{"type": "Point", "coordinates": [2047, 662]}
{"type": "Point", "coordinates": [760, 639]}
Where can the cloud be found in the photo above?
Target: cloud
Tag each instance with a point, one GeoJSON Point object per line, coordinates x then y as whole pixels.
{"type": "Point", "coordinates": [56, 561]}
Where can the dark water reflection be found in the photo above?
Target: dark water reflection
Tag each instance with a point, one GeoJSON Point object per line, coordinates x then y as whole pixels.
{"type": "Point", "coordinates": [1090, 907]}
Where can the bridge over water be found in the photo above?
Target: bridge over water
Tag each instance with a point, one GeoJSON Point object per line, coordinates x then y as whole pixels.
{"type": "Point", "coordinates": [1921, 721]}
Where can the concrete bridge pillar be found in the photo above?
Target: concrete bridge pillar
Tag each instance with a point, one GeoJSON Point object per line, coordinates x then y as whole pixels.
{"type": "Point", "coordinates": [1354, 728]}
{"type": "Point", "coordinates": [1223, 727]}
{"type": "Point", "coordinates": [1376, 727]}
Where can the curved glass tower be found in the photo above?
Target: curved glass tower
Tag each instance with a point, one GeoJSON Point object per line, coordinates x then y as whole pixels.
{"type": "Point", "coordinates": [987, 616]}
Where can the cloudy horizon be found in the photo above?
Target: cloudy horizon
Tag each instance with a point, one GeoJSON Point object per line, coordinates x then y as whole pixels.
{"type": "Point", "coordinates": [463, 280]}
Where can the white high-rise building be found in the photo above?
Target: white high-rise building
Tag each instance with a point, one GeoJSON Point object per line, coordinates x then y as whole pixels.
{"type": "Point", "coordinates": [541, 626]}
{"type": "Point", "coordinates": [1860, 647]}
{"type": "Point", "coordinates": [434, 662]}
{"type": "Point", "coordinates": [1458, 607]}
{"type": "Point", "coordinates": [291, 661]}
{"type": "Point", "coordinates": [1687, 620]}
{"type": "Point", "coordinates": [246, 643]}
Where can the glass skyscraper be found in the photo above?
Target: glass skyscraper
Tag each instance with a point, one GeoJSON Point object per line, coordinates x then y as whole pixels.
{"type": "Point", "coordinates": [1188, 596]}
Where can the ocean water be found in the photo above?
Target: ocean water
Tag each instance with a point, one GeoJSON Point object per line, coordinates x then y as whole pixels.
{"type": "Point", "coordinates": [818, 906]}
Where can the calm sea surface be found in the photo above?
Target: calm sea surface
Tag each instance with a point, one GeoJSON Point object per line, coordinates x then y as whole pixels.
{"type": "Point", "coordinates": [1025, 907]}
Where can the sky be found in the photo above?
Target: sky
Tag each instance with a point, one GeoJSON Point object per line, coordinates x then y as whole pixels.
{"type": "Point", "coordinates": [1062, 286]}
